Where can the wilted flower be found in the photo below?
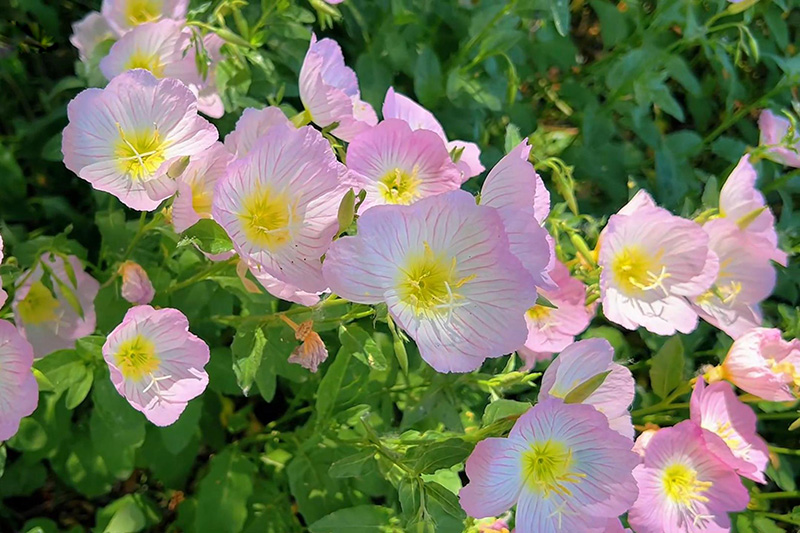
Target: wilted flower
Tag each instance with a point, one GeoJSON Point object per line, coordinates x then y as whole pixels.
{"type": "Point", "coordinates": [196, 187]}
{"type": "Point", "coordinates": [773, 131]}
{"type": "Point", "coordinates": [19, 392]}
{"type": "Point", "coordinates": [683, 487]}
{"type": "Point", "coordinates": [251, 126]}
{"type": "Point", "coordinates": [444, 268]}
{"type": "Point", "coordinates": [123, 15]}
{"type": "Point", "coordinates": [124, 138]}
{"type": "Point", "coordinates": [54, 304]}
{"type": "Point", "coordinates": [561, 465]}
{"type": "Point", "coordinates": [311, 351]}
{"type": "Point", "coordinates": [136, 286]}
{"type": "Point", "coordinates": [716, 409]}
{"type": "Point", "coordinates": [89, 32]}
{"type": "Point", "coordinates": [156, 363]}
{"type": "Point", "coordinates": [652, 260]}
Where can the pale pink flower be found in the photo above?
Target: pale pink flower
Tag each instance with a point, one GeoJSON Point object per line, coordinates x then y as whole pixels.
{"type": "Point", "coordinates": [746, 278]}
{"type": "Point", "coordinates": [561, 465]}
{"type": "Point", "coordinates": [124, 15]}
{"type": "Point", "coordinates": [582, 361]}
{"type": "Point", "coordinates": [329, 91]}
{"type": "Point", "coordinates": [773, 131]}
{"type": "Point", "coordinates": [54, 320]}
{"type": "Point", "coordinates": [683, 487]}
{"type": "Point", "coordinates": [642, 441]}
{"type": "Point", "coordinates": [88, 33]}
{"type": "Point", "coordinates": [251, 126]}
{"type": "Point", "coordinates": [652, 261]}
{"type": "Point", "coordinates": [396, 105]}
{"type": "Point", "coordinates": [732, 425]}
{"type": "Point", "coordinates": [196, 187]}
{"type": "Point", "coordinates": [156, 363]}
{"type": "Point", "coordinates": [615, 526]}
{"type": "Point", "coordinates": [123, 139]}
{"type": "Point", "coordinates": [550, 330]}
{"type": "Point", "coordinates": [744, 205]}
{"type": "Point", "coordinates": [19, 392]}
{"type": "Point", "coordinates": [283, 290]}
{"type": "Point", "coordinates": [279, 205]}
{"type": "Point", "coordinates": [396, 165]}
{"type": "Point", "coordinates": [444, 268]}
{"type": "Point", "coordinates": [136, 285]}
{"type": "Point", "coordinates": [763, 364]}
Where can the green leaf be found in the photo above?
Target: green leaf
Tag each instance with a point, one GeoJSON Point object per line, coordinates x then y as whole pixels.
{"type": "Point", "coordinates": [208, 236]}
{"type": "Point", "coordinates": [752, 523]}
{"type": "Point", "coordinates": [503, 408]}
{"type": "Point", "coordinates": [561, 16]}
{"type": "Point", "coordinates": [363, 346]}
{"type": "Point", "coordinates": [352, 465]}
{"type": "Point", "coordinates": [178, 435]}
{"type": "Point", "coordinates": [666, 367]}
{"type": "Point", "coordinates": [222, 494]}
{"type": "Point", "coordinates": [585, 389]}
{"type": "Point", "coordinates": [513, 137]}
{"type": "Point", "coordinates": [399, 345]}
{"type": "Point", "coordinates": [30, 437]}
{"type": "Point", "coordinates": [248, 350]}
{"type": "Point", "coordinates": [364, 518]}
{"type": "Point", "coordinates": [62, 369]}
{"type": "Point", "coordinates": [78, 391]}
{"type": "Point", "coordinates": [444, 499]}
{"type": "Point", "coordinates": [428, 458]}
{"type": "Point", "coordinates": [130, 514]}
{"type": "Point", "coordinates": [428, 80]}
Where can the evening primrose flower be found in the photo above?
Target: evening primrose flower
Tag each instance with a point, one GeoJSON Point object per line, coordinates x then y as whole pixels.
{"type": "Point", "coordinates": [124, 15]}
{"type": "Point", "coordinates": [329, 91]}
{"type": "Point", "coordinates": [19, 392]}
{"type": "Point", "coordinates": [652, 261]}
{"type": "Point", "coordinates": [156, 363]}
{"type": "Point", "coordinates": [136, 285]}
{"type": "Point", "coordinates": [88, 33]}
{"type": "Point", "coordinates": [123, 139]}
{"type": "Point", "coordinates": [683, 487]}
{"type": "Point", "coordinates": [196, 187]}
{"type": "Point", "coordinates": [279, 205]}
{"type": "Point", "coordinates": [615, 526]}
{"type": "Point", "coordinates": [716, 408]}
{"type": "Point", "coordinates": [251, 126]}
{"type": "Point", "coordinates": [396, 165]}
{"type": "Point", "coordinates": [444, 268]}
{"type": "Point", "coordinates": [584, 360]}
{"type": "Point", "coordinates": [774, 130]}
{"type": "Point", "coordinates": [55, 307]}
{"type": "Point", "coordinates": [468, 155]}
{"type": "Point", "coordinates": [3, 294]}
{"type": "Point", "coordinates": [280, 289]}
{"type": "Point", "coordinates": [561, 465]}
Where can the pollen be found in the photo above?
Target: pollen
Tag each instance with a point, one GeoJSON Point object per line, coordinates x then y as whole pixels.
{"type": "Point", "coordinates": [548, 468]}
{"type": "Point", "coordinates": [136, 358]}
{"type": "Point", "coordinates": [399, 186]}
{"type": "Point", "coordinates": [269, 218]}
{"type": "Point", "coordinates": [201, 200]}
{"type": "Point", "coordinates": [38, 306]}
{"type": "Point", "coordinates": [682, 487]}
{"type": "Point", "coordinates": [637, 272]}
{"type": "Point", "coordinates": [140, 152]}
{"type": "Point", "coordinates": [539, 313]}
{"type": "Point", "coordinates": [141, 11]}
{"type": "Point", "coordinates": [429, 283]}
{"type": "Point", "coordinates": [147, 61]}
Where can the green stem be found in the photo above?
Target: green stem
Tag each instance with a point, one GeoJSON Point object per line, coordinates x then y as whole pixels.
{"type": "Point", "coordinates": [733, 119]}
{"type": "Point", "coordinates": [784, 451]}
{"type": "Point", "coordinates": [778, 416]}
{"type": "Point", "coordinates": [200, 276]}
{"type": "Point", "coordinates": [666, 404]}
{"type": "Point", "coordinates": [787, 495]}
{"type": "Point", "coordinates": [781, 518]}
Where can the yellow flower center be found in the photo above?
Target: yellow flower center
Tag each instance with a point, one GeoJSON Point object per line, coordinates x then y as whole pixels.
{"type": "Point", "coordinates": [201, 200]}
{"type": "Point", "coordinates": [682, 486]}
{"type": "Point", "coordinates": [136, 358]}
{"type": "Point", "coordinates": [141, 11]}
{"type": "Point", "coordinates": [539, 313]}
{"type": "Point", "coordinates": [547, 468]}
{"type": "Point", "coordinates": [38, 306]}
{"type": "Point", "coordinates": [787, 369]}
{"type": "Point", "coordinates": [268, 218]}
{"type": "Point", "coordinates": [429, 283]}
{"type": "Point", "coordinates": [399, 187]}
{"type": "Point", "coordinates": [151, 62]}
{"type": "Point", "coordinates": [635, 271]}
{"type": "Point", "coordinates": [140, 152]}
{"type": "Point", "coordinates": [727, 434]}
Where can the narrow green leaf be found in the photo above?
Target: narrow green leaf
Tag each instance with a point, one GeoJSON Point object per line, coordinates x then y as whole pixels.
{"type": "Point", "coordinates": [585, 389]}
{"type": "Point", "coordinates": [352, 465]}
{"type": "Point", "coordinates": [666, 367]}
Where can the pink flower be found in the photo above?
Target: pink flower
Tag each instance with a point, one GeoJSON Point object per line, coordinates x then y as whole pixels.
{"type": "Point", "coordinates": [155, 363]}
{"type": "Point", "coordinates": [88, 33]}
{"type": "Point", "coordinates": [561, 465]}
{"type": "Point", "coordinates": [123, 139]}
{"type": "Point", "coordinates": [279, 205]}
{"type": "Point", "coordinates": [196, 187]}
{"type": "Point", "coordinates": [582, 361]}
{"type": "Point", "coordinates": [396, 105]}
{"type": "Point", "coordinates": [124, 15]}
{"type": "Point", "coordinates": [773, 131]}
{"type": "Point", "coordinates": [744, 205]}
{"type": "Point", "coordinates": [19, 392]}
{"type": "Point", "coordinates": [652, 261]}
{"type": "Point", "coordinates": [763, 364]}
{"type": "Point", "coordinates": [329, 91]}
{"type": "Point", "coordinates": [136, 286]}
{"type": "Point", "coordinates": [684, 488]}
{"type": "Point", "coordinates": [615, 526]}
{"type": "Point", "coordinates": [251, 126]}
{"type": "Point", "coordinates": [444, 268]}
{"type": "Point", "coordinates": [640, 445]}
{"type": "Point", "coordinates": [3, 294]}
{"type": "Point", "coordinates": [54, 320]}
{"type": "Point", "coordinates": [732, 426]}
{"type": "Point", "coordinates": [282, 290]}
{"type": "Point", "coordinates": [746, 278]}
{"type": "Point", "coordinates": [395, 165]}
{"type": "Point", "coordinates": [550, 330]}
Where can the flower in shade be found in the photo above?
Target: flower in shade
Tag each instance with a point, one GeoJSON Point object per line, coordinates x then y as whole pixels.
{"type": "Point", "coordinates": [396, 105]}
{"type": "Point", "coordinates": [251, 126]}
{"type": "Point", "coordinates": [561, 465]}
{"type": "Point", "coordinates": [743, 204]}
{"type": "Point", "coordinates": [652, 261]}
{"type": "Point", "coordinates": [3, 294]}
{"type": "Point", "coordinates": [329, 91]}
{"type": "Point", "coordinates": [763, 364]}
{"type": "Point", "coordinates": [583, 361]}
{"type": "Point", "coordinates": [88, 33]}
{"type": "Point", "coordinates": [396, 165]}
{"type": "Point", "coordinates": [123, 139]}
{"type": "Point", "coordinates": [550, 330]}
{"type": "Point", "coordinates": [196, 187]}
{"type": "Point", "coordinates": [683, 487]}
{"type": "Point", "coordinates": [312, 350]}
{"type": "Point", "coordinates": [746, 277]}
{"type": "Point", "coordinates": [444, 268]}
{"type": "Point", "coordinates": [783, 146]}
{"type": "Point", "coordinates": [19, 392]}
{"type": "Point", "coordinates": [732, 426]}
{"type": "Point", "coordinates": [124, 15]}
{"type": "Point", "coordinates": [279, 205]}
{"type": "Point", "coordinates": [136, 286]}
{"type": "Point", "coordinates": [156, 363]}
{"type": "Point", "coordinates": [54, 304]}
